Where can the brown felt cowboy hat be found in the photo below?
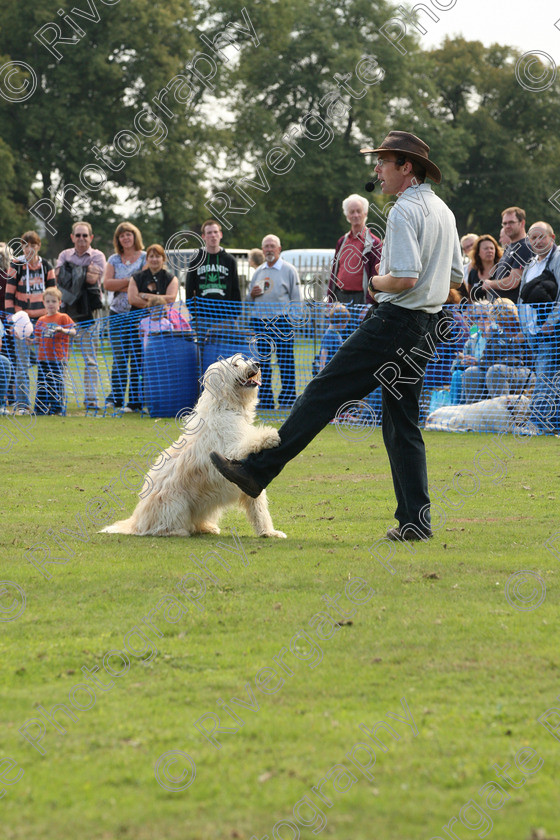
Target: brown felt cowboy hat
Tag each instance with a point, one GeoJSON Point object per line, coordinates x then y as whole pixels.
{"type": "Point", "coordinates": [411, 146]}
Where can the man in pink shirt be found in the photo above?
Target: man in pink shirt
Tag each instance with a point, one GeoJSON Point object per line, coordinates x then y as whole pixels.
{"type": "Point", "coordinates": [82, 300]}
{"type": "Point", "coordinates": [356, 256]}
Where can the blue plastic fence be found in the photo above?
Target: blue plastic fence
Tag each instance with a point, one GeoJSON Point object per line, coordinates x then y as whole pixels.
{"type": "Point", "coordinates": [496, 368]}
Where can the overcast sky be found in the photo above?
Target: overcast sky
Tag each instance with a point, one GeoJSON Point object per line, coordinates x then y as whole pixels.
{"type": "Point", "coordinates": [528, 27]}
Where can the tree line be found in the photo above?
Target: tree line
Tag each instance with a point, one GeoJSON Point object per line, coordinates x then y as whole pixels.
{"type": "Point", "coordinates": [178, 108]}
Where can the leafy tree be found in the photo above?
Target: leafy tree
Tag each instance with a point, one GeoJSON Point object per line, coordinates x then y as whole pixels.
{"type": "Point", "coordinates": [13, 215]}
{"type": "Point", "coordinates": [321, 82]}
{"type": "Point", "coordinates": [90, 93]}
{"type": "Point", "coordinates": [308, 62]}
{"type": "Point", "coordinates": [509, 136]}
{"type": "Point", "coordinates": [497, 142]}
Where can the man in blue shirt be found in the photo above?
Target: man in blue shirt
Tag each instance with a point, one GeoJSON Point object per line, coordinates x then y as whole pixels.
{"type": "Point", "coordinates": [274, 285]}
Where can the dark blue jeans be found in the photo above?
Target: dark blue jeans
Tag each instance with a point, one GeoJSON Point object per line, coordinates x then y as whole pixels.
{"type": "Point", "coordinates": [281, 332]}
{"type": "Point", "coordinates": [51, 396]}
{"type": "Point", "coordinates": [385, 344]}
{"type": "Point", "coordinates": [545, 401]}
{"type": "Point", "coordinates": [127, 350]}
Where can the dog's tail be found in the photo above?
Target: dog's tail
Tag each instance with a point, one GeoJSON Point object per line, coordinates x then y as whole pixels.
{"type": "Point", "coordinates": [125, 526]}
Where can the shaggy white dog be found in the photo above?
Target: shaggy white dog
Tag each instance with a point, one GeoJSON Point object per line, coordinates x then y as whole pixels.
{"type": "Point", "coordinates": [184, 493]}
{"type": "Point", "coordinates": [500, 414]}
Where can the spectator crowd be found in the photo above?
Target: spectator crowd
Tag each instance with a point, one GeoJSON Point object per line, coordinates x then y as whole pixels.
{"type": "Point", "coordinates": [506, 314]}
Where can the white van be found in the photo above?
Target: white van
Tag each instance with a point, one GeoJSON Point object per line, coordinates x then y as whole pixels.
{"type": "Point", "coordinates": [314, 268]}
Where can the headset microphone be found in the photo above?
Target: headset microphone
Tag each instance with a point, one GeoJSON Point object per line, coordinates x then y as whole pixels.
{"type": "Point", "coordinates": [370, 186]}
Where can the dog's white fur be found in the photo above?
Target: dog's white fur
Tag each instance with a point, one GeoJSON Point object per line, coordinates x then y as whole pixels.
{"type": "Point", "coordinates": [500, 414]}
{"type": "Point", "coordinates": [183, 493]}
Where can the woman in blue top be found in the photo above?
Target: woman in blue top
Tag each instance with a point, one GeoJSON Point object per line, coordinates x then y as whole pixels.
{"type": "Point", "coordinates": [129, 257]}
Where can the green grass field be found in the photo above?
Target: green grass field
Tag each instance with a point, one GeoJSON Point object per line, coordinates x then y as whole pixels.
{"type": "Point", "coordinates": [435, 642]}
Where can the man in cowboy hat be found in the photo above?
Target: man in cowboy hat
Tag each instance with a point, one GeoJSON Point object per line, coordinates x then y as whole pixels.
{"type": "Point", "coordinates": [421, 257]}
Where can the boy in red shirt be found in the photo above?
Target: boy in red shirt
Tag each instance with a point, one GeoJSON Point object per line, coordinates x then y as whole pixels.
{"type": "Point", "coordinates": [52, 335]}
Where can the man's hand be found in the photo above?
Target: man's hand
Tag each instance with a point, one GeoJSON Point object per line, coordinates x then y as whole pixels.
{"type": "Point", "coordinates": [93, 274]}
{"type": "Point", "coordinates": [256, 291]}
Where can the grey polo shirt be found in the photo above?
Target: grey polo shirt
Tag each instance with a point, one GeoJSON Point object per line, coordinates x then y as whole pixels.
{"type": "Point", "coordinates": [421, 242]}
{"type": "Point", "coordinates": [280, 285]}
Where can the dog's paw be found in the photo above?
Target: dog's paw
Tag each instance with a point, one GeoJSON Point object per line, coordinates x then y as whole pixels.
{"type": "Point", "coordinates": [280, 534]}
{"type": "Point", "coordinates": [207, 528]}
{"type": "Point", "coordinates": [269, 438]}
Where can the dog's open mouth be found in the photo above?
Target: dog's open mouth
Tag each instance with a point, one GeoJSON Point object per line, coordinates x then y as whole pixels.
{"type": "Point", "coordinates": [253, 381]}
